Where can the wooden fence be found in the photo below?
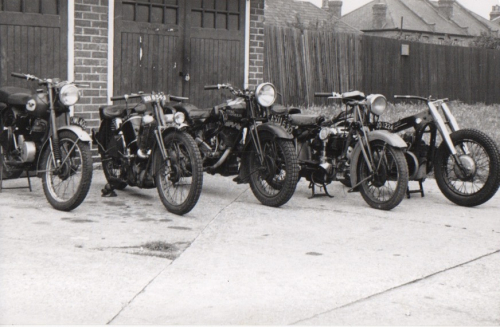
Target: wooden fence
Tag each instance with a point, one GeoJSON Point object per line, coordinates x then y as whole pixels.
{"type": "Point", "coordinates": [300, 64]}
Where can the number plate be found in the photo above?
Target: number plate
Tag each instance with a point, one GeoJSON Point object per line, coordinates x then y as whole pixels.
{"type": "Point", "coordinates": [384, 125]}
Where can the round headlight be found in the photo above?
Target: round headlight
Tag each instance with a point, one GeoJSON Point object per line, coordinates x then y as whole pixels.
{"type": "Point", "coordinates": [265, 94]}
{"type": "Point", "coordinates": [324, 133]}
{"type": "Point", "coordinates": [179, 117]}
{"type": "Point", "coordinates": [69, 95]}
{"type": "Point", "coordinates": [377, 103]}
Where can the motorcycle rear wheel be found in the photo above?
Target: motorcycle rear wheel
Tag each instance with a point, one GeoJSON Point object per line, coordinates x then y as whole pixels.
{"type": "Point", "coordinates": [9, 172]}
{"type": "Point", "coordinates": [482, 158]}
{"type": "Point", "coordinates": [387, 188]}
{"type": "Point", "coordinates": [273, 184]}
{"type": "Point", "coordinates": [67, 189]}
{"type": "Point", "coordinates": [179, 179]}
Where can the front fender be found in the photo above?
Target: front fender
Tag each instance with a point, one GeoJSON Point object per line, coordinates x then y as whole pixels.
{"type": "Point", "coordinates": [274, 129]}
{"type": "Point", "coordinates": [391, 139]}
{"type": "Point", "coordinates": [78, 131]}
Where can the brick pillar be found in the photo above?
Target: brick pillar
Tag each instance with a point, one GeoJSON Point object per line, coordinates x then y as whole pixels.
{"type": "Point", "coordinates": [91, 53]}
{"type": "Point", "coordinates": [256, 67]}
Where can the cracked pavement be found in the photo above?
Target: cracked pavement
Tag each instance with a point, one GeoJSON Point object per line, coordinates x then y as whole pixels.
{"type": "Point", "coordinates": [234, 261]}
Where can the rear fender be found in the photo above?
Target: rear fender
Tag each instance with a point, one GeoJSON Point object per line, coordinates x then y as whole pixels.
{"type": "Point", "coordinates": [393, 140]}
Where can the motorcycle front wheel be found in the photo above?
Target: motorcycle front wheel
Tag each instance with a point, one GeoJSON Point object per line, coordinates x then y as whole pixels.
{"type": "Point", "coordinates": [387, 187]}
{"type": "Point", "coordinates": [273, 183]}
{"type": "Point", "coordinates": [66, 186]}
{"type": "Point", "coordinates": [479, 155]}
{"type": "Point", "coordinates": [179, 178]}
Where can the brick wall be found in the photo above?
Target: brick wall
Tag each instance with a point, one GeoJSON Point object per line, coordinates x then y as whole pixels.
{"type": "Point", "coordinates": [256, 67]}
{"type": "Point", "coordinates": [91, 53]}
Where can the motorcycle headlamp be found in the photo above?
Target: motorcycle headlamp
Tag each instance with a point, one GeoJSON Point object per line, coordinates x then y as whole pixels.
{"type": "Point", "coordinates": [265, 94]}
{"type": "Point", "coordinates": [179, 118]}
{"type": "Point", "coordinates": [31, 105]}
{"type": "Point", "coordinates": [69, 95]}
{"type": "Point", "coordinates": [377, 103]}
{"type": "Point", "coordinates": [326, 132]}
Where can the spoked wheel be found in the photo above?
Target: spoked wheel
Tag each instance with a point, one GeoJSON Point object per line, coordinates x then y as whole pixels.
{"type": "Point", "coordinates": [387, 187]}
{"type": "Point", "coordinates": [66, 186]}
{"type": "Point", "coordinates": [480, 178]}
{"type": "Point", "coordinates": [112, 166]}
{"type": "Point", "coordinates": [179, 179]}
{"type": "Point", "coordinates": [9, 172]}
{"type": "Point", "coordinates": [274, 182]}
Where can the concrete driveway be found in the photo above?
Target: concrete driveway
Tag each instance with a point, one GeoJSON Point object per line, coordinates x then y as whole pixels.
{"type": "Point", "coordinates": [231, 260]}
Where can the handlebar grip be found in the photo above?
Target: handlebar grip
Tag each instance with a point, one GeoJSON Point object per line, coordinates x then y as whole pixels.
{"type": "Point", "coordinates": [178, 98]}
{"type": "Point", "coordinates": [18, 75]}
{"type": "Point", "coordinates": [212, 87]}
{"type": "Point", "coordinates": [323, 94]}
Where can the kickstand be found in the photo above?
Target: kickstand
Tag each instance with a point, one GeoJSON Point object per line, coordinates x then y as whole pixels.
{"type": "Point", "coordinates": [1, 176]}
{"type": "Point", "coordinates": [420, 190]}
{"type": "Point", "coordinates": [108, 191]}
{"type": "Point", "coordinates": [315, 195]}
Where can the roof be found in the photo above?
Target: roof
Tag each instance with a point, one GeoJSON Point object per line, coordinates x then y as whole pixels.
{"type": "Point", "coordinates": [285, 13]}
{"type": "Point", "coordinates": [424, 16]}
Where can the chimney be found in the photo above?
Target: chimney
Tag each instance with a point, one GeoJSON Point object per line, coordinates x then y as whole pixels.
{"type": "Point", "coordinates": [495, 12]}
{"type": "Point", "coordinates": [335, 8]}
{"type": "Point", "coordinates": [324, 5]}
{"type": "Point", "coordinates": [445, 8]}
{"type": "Point", "coordinates": [379, 15]}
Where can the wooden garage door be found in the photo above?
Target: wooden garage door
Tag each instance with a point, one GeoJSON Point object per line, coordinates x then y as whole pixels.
{"type": "Point", "coordinates": [33, 39]}
{"type": "Point", "coordinates": [178, 46]}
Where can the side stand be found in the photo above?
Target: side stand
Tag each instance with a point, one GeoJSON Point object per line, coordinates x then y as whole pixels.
{"type": "Point", "coordinates": [1, 175]}
{"type": "Point", "coordinates": [315, 195]}
{"type": "Point", "coordinates": [420, 190]}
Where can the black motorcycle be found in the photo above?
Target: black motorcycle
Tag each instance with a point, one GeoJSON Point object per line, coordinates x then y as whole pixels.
{"type": "Point", "coordinates": [467, 162]}
{"type": "Point", "coordinates": [236, 138]}
{"type": "Point", "coordinates": [38, 134]}
{"type": "Point", "coordinates": [346, 149]}
{"type": "Point", "coordinates": [141, 145]}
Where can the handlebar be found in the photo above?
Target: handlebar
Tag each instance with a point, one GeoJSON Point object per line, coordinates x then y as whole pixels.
{"type": "Point", "coordinates": [125, 97]}
{"type": "Point", "coordinates": [415, 97]}
{"type": "Point", "coordinates": [323, 94]}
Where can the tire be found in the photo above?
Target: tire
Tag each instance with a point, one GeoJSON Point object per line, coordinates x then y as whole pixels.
{"type": "Point", "coordinates": [185, 166]}
{"type": "Point", "coordinates": [67, 190]}
{"type": "Point", "coordinates": [483, 160]}
{"type": "Point", "coordinates": [388, 186]}
{"type": "Point", "coordinates": [10, 172]}
{"type": "Point", "coordinates": [112, 167]}
{"type": "Point", "coordinates": [274, 184]}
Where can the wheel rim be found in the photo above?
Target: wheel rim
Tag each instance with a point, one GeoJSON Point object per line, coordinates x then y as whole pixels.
{"type": "Point", "coordinates": [477, 166]}
{"type": "Point", "coordinates": [383, 185]}
{"type": "Point", "coordinates": [176, 174]}
{"type": "Point", "coordinates": [270, 177]}
{"type": "Point", "coordinates": [64, 183]}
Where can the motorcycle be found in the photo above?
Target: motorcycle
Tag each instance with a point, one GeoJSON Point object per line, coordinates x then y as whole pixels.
{"type": "Point", "coordinates": [37, 134]}
{"type": "Point", "coordinates": [346, 149]}
{"type": "Point", "coordinates": [467, 162]}
{"type": "Point", "coordinates": [140, 145]}
{"type": "Point", "coordinates": [236, 138]}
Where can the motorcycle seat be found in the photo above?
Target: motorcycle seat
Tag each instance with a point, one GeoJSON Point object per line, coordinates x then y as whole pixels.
{"type": "Point", "coordinates": [15, 95]}
{"type": "Point", "coordinates": [282, 110]}
{"type": "Point", "coordinates": [192, 112]}
{"type": "Point", "coordinates": [119, 110]}
{"type": "Point", "coordinates": [305, 120]}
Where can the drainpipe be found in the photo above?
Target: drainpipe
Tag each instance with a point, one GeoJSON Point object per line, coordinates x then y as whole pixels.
{"type": "Point", "coordinates": [71, 46]}
{"type": "Point", "coordinates": [247, 43]}
{"type": "Point", "coordinates": [111, 37]}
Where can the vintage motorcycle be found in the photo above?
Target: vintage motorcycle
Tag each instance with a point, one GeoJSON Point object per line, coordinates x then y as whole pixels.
{"type": "Point", "coordinates": [37, 134]}
{"type": "Point", "coordinates": [345, 149]}
{"type": "Point", "coordinates": [235, 138]}
{"type": "Point", "coordinates": [142, 146]}
{"type": "Point", "coordinates": [466, 164]}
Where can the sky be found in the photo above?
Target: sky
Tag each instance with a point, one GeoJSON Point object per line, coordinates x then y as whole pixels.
{"type": "Point", "coordinates": [481, 7]}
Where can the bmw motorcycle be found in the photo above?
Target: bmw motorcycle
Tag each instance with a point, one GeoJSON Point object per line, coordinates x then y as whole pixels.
{"type": "Point", "coordinates": [345, 148]}
{"type": "Point", "coordinates": [236, 138]}
{"type": "Point", "coordinates": [37, 134]}
{"type": "Point", "coordinates": [141, 145]}
{"type": "Point", "coordinates": [466, 163]}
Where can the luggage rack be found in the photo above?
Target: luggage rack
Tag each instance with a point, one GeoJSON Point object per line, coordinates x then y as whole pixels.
{"type": "Point", "coordinates": [1, 176]}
